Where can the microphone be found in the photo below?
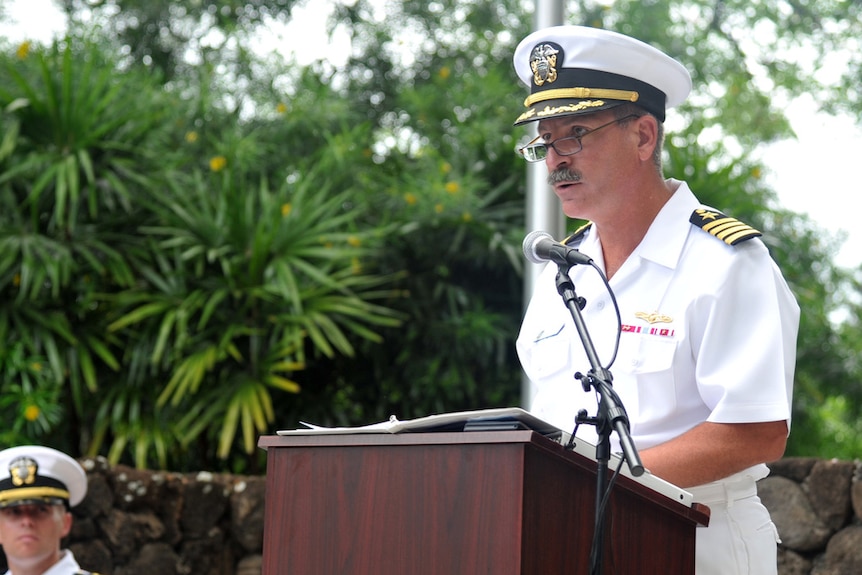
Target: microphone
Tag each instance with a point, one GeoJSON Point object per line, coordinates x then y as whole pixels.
{"type": "Point", "coordinates": [540, 247]}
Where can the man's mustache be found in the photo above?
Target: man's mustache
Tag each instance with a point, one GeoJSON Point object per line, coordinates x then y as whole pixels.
{"type": "Point", "coordinates": [563, 175]}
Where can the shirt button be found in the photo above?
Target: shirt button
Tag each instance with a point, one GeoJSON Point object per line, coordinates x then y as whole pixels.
{"type": "Point", "coordinates": [600, 305]}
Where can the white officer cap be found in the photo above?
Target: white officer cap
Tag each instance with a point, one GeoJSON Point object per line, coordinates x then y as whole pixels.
{"type": "Point", "coordinates": [36, 474]}
{"type": "Point", "coordinates": [578, 70]}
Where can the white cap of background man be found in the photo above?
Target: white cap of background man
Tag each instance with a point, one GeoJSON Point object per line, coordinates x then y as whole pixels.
{"type": "Point", "coordinates": [579, 70]}
{"type": "Point", "coordinates": [33, 474]}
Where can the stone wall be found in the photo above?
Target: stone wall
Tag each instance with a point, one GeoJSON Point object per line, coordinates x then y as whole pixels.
{"type": "Point", "coordinates": [817, 506]}
{"type": "Point", "coordinates": [142, 522]}
{"type": "Point", "coordinates": [135, 522]}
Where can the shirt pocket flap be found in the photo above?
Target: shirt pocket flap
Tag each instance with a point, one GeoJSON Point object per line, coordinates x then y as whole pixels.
{"type": "Point", "coordinates": [647, 355]}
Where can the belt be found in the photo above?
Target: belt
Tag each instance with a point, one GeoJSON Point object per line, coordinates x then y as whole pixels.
{"type": "Point", "coordinates": [724, 491]}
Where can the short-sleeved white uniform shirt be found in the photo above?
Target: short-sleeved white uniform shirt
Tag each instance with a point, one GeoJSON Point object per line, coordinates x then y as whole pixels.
{"type": "Point", "coordinates": [708, 333]}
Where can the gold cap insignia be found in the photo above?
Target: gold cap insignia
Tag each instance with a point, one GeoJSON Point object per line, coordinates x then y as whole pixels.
{"type": "Point", "coordinates": [23, 471]}
{"type": "Point", "coordinates": [543, 63]}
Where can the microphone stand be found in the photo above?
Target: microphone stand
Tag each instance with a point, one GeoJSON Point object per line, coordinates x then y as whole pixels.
{"type": "Point", "coordinates": [611, 415]}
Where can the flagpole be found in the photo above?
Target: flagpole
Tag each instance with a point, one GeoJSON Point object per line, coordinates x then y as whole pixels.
{"type": "Point", "coordinates": [543, 208]}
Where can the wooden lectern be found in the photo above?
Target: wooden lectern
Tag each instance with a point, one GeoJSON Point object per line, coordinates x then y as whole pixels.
{"type": "Point", "coordinates": [468, 503]}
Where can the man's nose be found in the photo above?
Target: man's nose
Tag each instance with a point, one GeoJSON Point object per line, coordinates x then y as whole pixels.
{"type": "Point", "coordinates": [25, 518]}
{"type": "Point", "coordinates": [555, 160]}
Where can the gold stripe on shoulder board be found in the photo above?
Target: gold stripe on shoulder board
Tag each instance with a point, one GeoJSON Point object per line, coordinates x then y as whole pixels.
{"type": "Point", "coordinates": [578, 234]}
{"type": "Point", "coordinates": [729, 230]}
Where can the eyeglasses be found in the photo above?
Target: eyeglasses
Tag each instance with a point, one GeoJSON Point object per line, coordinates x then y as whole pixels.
{"type": "Point", "coordinates": [537, 150]}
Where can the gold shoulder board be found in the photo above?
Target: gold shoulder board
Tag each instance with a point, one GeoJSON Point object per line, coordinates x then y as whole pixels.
{"type": "Point", "coordinates": [729, 230]}
{"type": "Point", "coordinates": [578, 236]}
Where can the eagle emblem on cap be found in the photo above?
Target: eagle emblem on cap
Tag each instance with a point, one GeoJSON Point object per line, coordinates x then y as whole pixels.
{"type": "Point", "coordinates": [543, 63]}
{"type": "Point", "coordinates": [23, 471]}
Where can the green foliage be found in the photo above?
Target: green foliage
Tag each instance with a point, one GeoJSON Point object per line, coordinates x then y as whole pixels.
{"type": "Point", "coordinates": [157, 33]}
{"type": "Point", "coordinates": [243, 275]}
{"type": "Point", "coordinates": [70, 160]}
{"type": "Point", "coordinates": [30, 403]}
{"type": "Point", "coordinates": [171, 298]}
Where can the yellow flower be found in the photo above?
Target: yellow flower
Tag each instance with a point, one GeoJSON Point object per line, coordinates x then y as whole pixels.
{"type": "Point", "coordinates": [354, 241]}
{"type": "Point", "coordinates": [32, 412]}
{"type": "Point", "coordinates": [191, 137]}
{"type": "Point", "coordinates": [286, 209]}
{"type": "Point", "coordinates": [452, 187]}
{"type": "Point", "coordinates": [218, 163]}
{"type": "Point", "coordinates": [36, 366]}
{"type": "Point", "coordinates": [445, 167]}
{"type": "Point", "coordinates": [355, 266]}
{"type": "Point", "coordinates": [23, 49]}
{"type": "Point", "coordinates": [444, 72]}
{"type": "Point", "coordinates": [467, 217]}
{"type": "Point", "coordinates": [438, 208]}
{"type": "Point", "coordinates": [755, 173]}
{"type": "Point", "coordinates": [410, 199]}
{"type": "Point", "coordinates": [281, 108]}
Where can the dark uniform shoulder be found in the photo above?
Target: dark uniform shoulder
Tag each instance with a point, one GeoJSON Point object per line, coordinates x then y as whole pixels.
{"type": "Point", "coordinates": [729, 230]}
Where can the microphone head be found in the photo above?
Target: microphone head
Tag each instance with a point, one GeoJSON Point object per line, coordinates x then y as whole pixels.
{"type": "Point", "coordinates": [531, 242]}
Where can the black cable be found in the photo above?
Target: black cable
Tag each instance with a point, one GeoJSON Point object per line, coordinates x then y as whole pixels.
{"type": "Point", "coordinates": [595, 550]}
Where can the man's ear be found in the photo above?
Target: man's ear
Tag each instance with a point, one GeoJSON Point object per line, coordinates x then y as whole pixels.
{"type": "Point", "coordinates": [67, 522]}
{"type": "Point", "coordinates": [647, 136]}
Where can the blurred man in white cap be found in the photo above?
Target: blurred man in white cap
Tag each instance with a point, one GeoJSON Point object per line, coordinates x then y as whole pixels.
{"type": "Point", "coordinates": [38, 486]}
{"type": "Point", "coordinates": [705, 353]}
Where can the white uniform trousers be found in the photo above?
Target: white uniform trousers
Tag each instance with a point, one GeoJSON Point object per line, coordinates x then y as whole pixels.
{"type": "Point", "coordinates": [741, 538]}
